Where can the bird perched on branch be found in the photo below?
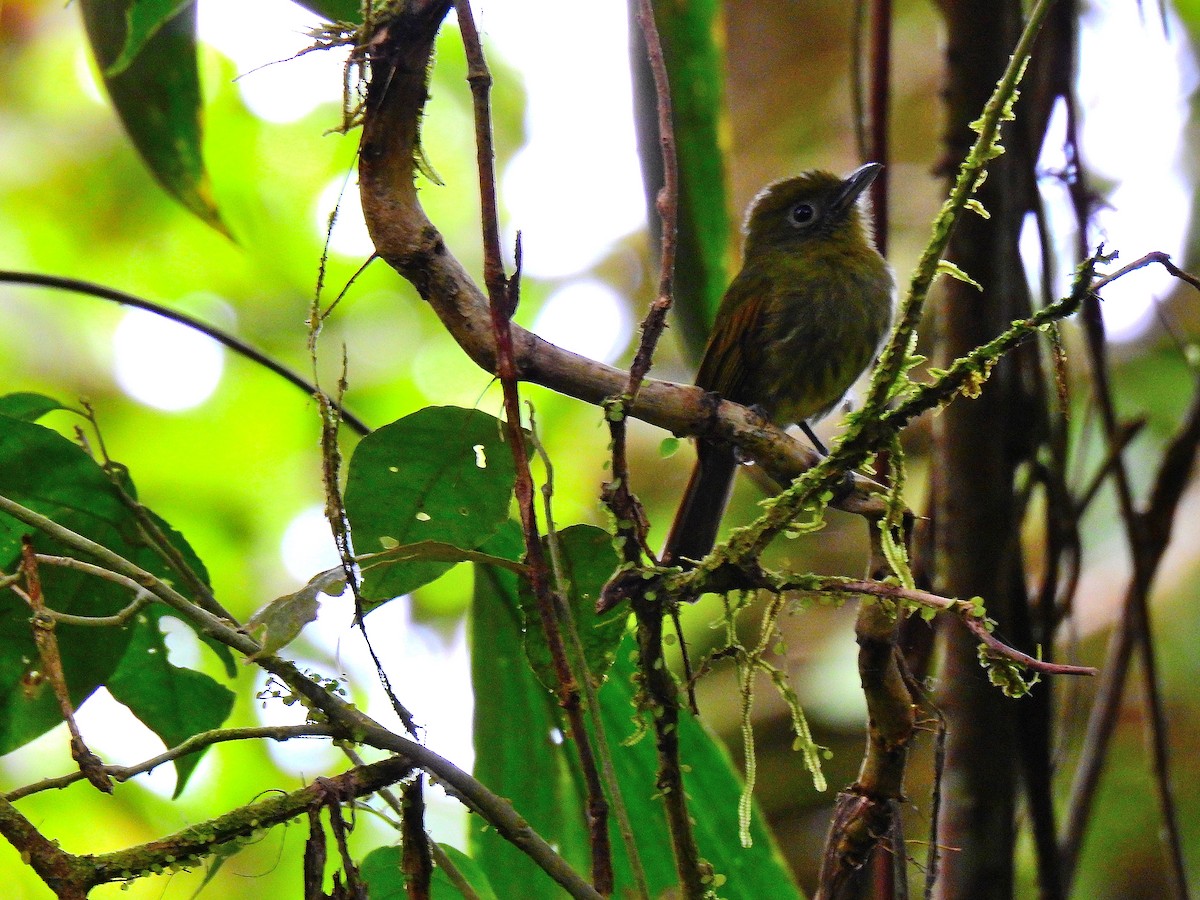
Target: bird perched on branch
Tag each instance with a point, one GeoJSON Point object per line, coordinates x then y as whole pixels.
{"type": "Point", "coordinates": [801, 321]}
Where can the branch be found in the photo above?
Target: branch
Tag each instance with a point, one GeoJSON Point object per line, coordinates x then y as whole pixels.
{"type": "Point", "coordinates": [661, 691]}
{"type": "Point", "coordinates": [963, 609]}
{"type": "Point", "coordinates": [495, 810]}
{"type": "Point", "coordinates": [866, 812]}
{"type": "Point", "coordinates": [236, 344]}
{"type": "Point", "coordinates": [986, 147]}
{"type": "Point", "coordinates": [1149, 535]}
{"type": "Point", "coordinates": [190, 846]}
{"type": "Point", "coordinates": [46, 640]}
{"type": "Point", "coordinates": [502, 297]}
{"type": "Point", "coordinates": [194, 744]}
{"type": "Point", "coordinates": [142, 599]}
{"type": "Point", "coordinates": [400, 54]}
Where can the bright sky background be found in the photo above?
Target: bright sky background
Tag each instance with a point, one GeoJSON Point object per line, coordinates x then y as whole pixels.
{"type": "Point", "coordinates": [1135, 86]}
{"type": "Point", "coordinates": [1137, 83]}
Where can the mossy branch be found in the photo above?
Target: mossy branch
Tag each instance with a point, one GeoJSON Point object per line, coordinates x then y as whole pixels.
{"type": "Point", "coordinates": [998, 110]}
{"type": "Point", "coordinates": [324, 704]}
{"type": "Point", "coordinates": [72, 876]}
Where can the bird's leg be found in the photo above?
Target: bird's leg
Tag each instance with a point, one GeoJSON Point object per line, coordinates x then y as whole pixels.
{"type": "Point", "coordinates": [812, 436]}
{"type": "Point", "coordinates": [845, 485]}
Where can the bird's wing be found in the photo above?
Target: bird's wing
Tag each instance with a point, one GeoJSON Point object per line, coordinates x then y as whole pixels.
{"type": "Point", "coordinates": [732, 351]}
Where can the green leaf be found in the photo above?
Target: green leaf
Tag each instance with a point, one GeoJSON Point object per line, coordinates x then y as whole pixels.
{"type": "Point", "coordinates": [441, 474]}
{"type": "Point", "coordinates": [156, 92]}
{"type": "Point", "coordinates": [467, 869]}
{"type": "Point", "coordinates": [513, 718]}
{"type": "Point", "coordinates": [713, 789]}
{"type": "Point", "coordinates": [173, 702]}
{"type": "Point", "coordinates": [945, 267]}
{"type": "Point", "coordinates": [588, 560]}
{"type": "Point", "coordinates": [44, 471]}
{"type": "Point", "coordinates": [516, 754]}
{"type": "Point", "coordinates": [975, 206]}
{"type": "Point", "coordinates": [381, 870]}
{"type": "Point", "coordinates": [27, 406]}
{"type": "Point", "coordinates": [143, 19]}
{"type": "Point", "coordinates": [335, 10]}
{"type": "Point", "coordinates": [193, 562]}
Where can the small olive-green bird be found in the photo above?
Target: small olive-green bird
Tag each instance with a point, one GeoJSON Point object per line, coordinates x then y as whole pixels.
{"type": "Point", "coordinates": [802, 320]}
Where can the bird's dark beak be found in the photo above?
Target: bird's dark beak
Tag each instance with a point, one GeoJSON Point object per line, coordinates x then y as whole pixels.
{"type": "Point", "coordinates": [854, 185]}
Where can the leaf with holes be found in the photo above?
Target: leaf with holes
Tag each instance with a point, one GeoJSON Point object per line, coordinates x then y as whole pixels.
{"type": "Point", "coordinates": [442, 474]}
{"type": "Point", "coordinates": [587, 560]}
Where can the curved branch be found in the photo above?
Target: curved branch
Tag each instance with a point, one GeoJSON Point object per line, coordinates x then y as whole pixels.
{"type": "Point", "coordinates": [398, 54]}
{"type": "Point", "coordinates": [194, 744]}
{"type": "Point", "coordinates": [236, 344]}
{"type": "Point", "coordinates": [962, 608]}
{"type": "Point", "coordinates": [495, 810]}
{"type": "Point", "coordinates": [77, 874]}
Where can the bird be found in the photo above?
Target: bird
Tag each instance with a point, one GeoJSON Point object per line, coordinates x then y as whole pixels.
{"type": "Point", "coordinates": [804, 317]}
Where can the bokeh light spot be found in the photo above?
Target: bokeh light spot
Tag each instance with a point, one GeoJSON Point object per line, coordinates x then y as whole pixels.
{"type": "Point", "coordinates": [588, 318]}
{"type": "Point", "coordinates": [575, 187]}
{"type": "Point", "coordinates": [164, 364]}
{"type": "Point", "coordinates": [307, 546]}
{"type": "Point", "coordinates": [263, 39]}
{"type": "Point", "coordinates": [349, 236]}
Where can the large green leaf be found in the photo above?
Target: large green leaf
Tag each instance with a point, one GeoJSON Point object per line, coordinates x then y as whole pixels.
{"type": "Point", "coordinates": [335, 10]}
{"type": "Point", "coordinates": [173, 702]}
{"type": "Point", "coordinates": [713, 789]}
{"type": "Point", "coordinates": [442, 474]}
{"type": "Point", "coordinates": [382, 873]}
{"type": "Point", "coordinates": [143, 20]}
{"type": "Point", "coordinates": [152, 76]}
{"type": "Point", "coordinates": [27, 406]}
{"type": "Point", "coordinates": [44, 471]}
{"type": "Point", "coordinates": [587, 560]}
{"type": "Point", "coordinates": [517, 736]}
{"type": "Point", "coordinates": [515, 714]}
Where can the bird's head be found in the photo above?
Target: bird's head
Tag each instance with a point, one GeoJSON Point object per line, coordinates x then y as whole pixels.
{"type": "Point", "coordinates": [808, 209]}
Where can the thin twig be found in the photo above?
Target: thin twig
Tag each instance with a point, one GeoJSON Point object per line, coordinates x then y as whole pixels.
{"type": "Point", "coordinates": [46, 641]}
{"type": "Point", "coordinates": [416, 855]}
{"type": "Point", "coordinates": [194, 744]}
{"type": "Point", "coordinates": [962, 608]}
{"type": "Point", "coordinates": [118, 619]}
{"type": "Point", "coordinates": [659, 685]}
{"type": "Point", "coordinates": [880, 113]}
{"type": "Point", "coordinates": [667, 203]}
{"type": "Point", "coordinates": [607, 768]}
{"type": "Point", "coordinates": [502, 301]}
{"type": "Point", "coordinates": [1127, 432]}
{"type": "Point", "coordinates": [236, 344]}
{"type": "Point", "coordinates": [497, 811]}
{"type": "Point", "coordinates": [197, 841]}
{"type": "Point", "coordinates": [1147, 533]}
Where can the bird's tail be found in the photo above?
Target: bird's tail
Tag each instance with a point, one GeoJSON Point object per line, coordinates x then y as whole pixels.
{"type": "Point", "coordinates": [694, 530]}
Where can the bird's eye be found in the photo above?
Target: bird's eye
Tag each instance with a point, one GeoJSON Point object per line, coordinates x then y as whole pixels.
{"type": "Point", "coordinates": [802, 214]}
